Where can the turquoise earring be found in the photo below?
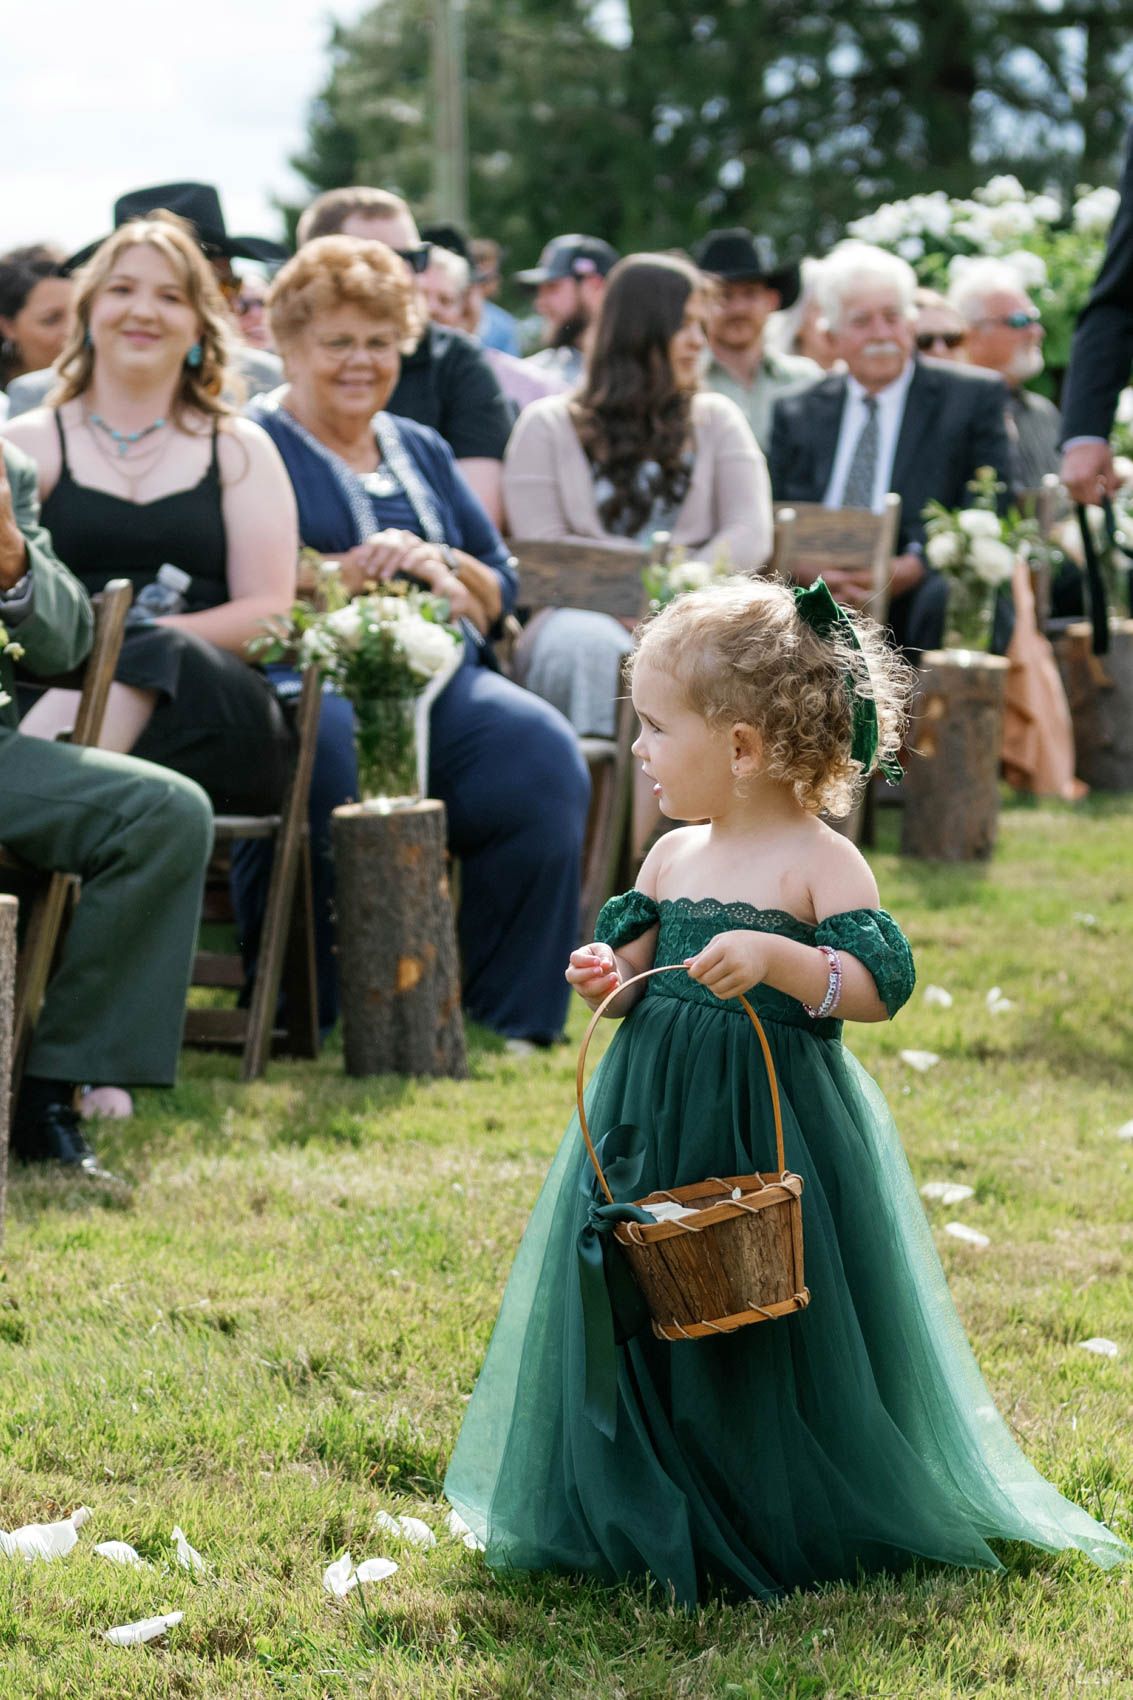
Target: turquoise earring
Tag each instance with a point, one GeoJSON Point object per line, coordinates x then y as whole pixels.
{"type": "Point", "coordinates": [194, 356]}
{"type": "Point", "coordinates": [87, 343]}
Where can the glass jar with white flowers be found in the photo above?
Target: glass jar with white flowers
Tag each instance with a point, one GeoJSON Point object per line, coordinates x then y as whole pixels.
{"type": "Point", "coordinates": [382, 652]}
{"type": "Point", "coordinates": [974, 548]}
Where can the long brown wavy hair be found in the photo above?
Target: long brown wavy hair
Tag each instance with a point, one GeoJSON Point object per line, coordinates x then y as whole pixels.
{"type": "Point", "coordinates": [201, 388]}
{"type": "Point", "coordinates": [630, 408]}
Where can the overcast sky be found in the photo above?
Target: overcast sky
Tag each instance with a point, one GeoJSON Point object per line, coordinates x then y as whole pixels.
{"type": "Point", "coordinates": [102, 98]}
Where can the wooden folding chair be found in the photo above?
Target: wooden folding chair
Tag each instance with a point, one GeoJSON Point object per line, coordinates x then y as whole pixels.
{"type": "Point", "coordinates": [849, 538]}
{"type": "Point", "coordinates": [47, 897]}
{"type": "Point", "coordinates": [783, 547]}
{"type": "Point", "coordinates": [286, 960]}
{"type": "Point", "coordinates": [605, 580]}
{"type": "Point", "coordinates": [1046, 503]}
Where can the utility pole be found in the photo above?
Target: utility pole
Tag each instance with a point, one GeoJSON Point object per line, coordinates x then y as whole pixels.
{"type": "Point", "coordinates": [450, 146]}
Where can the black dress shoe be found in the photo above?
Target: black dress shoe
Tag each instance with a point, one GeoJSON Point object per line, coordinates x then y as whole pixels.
{"type": "Point", "coordinates": [52, 1134]}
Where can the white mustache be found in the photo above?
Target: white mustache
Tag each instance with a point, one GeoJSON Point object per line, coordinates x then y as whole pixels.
{"type": "Point", "coordinates": [882, 348]}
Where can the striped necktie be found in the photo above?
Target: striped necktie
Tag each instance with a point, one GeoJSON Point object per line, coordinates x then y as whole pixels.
{"type": "Point", "coordinates": [858, 489]}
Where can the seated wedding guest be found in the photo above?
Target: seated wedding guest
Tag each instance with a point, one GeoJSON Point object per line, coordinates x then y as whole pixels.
{"type": "Point", "coordinates": [137, 836]}
{"type": "Point", "coordinates": [35, 311]}
{"type": "Point", "coordinates": [569, 283]}
{"type": "Point", "coordinates": [800, 329]}
{"type": "Point", "coordinates": [145, 474]}
{"type": "Point", "coordinates": [446, 284]}
{"type": "Point", "coordinates": [640, 448]}
{"type": "Point", "coordinates": [445, 380]}
{"type": "Point", "coordinates": [383, 497]}
{"type": "Point", "coordinates": [891, 421]}
{"type": "Point", "coordinates": [939, 330]}
{"type": "Point", "coordinates": [750, 286]}
{"type": "Point", "coordinates": [249, 309]}
{"type": "Point", "coordinates": [199, 205]}
{"type": "Point", "coordinates": [1005, 335]}
{"type": "Point", "coordinates": [492, 324]}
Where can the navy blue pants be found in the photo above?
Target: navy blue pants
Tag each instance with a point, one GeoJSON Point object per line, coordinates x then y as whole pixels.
{"type": "Point", "coordinates": [508, 769]}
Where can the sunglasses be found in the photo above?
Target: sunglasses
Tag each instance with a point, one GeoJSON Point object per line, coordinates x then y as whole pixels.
{"type": "Point", "coordinates": [929, 339]}
{"type": "Point", "coordinates": [1015, 321]}
{"type": "Point", "coordinates": [416, 258]}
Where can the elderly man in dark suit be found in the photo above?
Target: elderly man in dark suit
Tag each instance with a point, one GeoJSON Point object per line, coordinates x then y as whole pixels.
{"type": "Point", "coordinates": [889, 422]}
{"type": "Point", "coordinates": [138, 835]}
{"type": "Point", "coordinates": [1100, 359]}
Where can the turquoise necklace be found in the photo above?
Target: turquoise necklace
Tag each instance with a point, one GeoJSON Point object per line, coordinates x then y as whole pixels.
{"type": "Point", "coordinates": [124, 440]}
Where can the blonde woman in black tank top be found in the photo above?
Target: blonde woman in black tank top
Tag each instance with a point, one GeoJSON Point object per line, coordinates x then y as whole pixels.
{"type": "Point", "coordinates": [141, 464]}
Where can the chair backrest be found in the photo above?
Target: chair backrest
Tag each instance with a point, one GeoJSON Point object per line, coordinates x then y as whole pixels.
{"type": "Point", "coordinates": [851, 538]}
{"type": "Point", "coordinates": [783, 547]}
{"type": "Point", "coordinates": [1043, 503]}
{"type": "Point", "coordinates": [93, 679]}
{"type": "Point", "coordinates": [597, 576]}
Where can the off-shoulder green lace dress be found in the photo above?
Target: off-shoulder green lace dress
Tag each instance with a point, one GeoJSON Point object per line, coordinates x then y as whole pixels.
{"type": "Point", "coordinates": [853, 1436]}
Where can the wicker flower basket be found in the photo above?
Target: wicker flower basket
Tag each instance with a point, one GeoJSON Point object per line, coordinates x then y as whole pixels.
{"type": "Point", "coordinates": [739, 1259]}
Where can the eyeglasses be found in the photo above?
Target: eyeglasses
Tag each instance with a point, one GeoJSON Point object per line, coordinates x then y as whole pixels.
{"type": "Point", "coordinates": [416, 258]}
{"type": "Point", "coordinates": [242, 304]}
{"type": "Point", "coordinates": [950, 339]}
{"type": "Point", "coordinates": [1020, 321]}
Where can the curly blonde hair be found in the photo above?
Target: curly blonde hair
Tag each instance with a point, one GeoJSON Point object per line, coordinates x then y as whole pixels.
{"type": "Point", "coordinates": [202, 388]}
{"type": "Point", "coordinates": [741, 652]}
{"type": "Point", "coordinates": [339, 271]}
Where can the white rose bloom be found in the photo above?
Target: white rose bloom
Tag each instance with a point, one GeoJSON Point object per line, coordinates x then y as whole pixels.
{"type": "Point", "coordinates": [313, 646]}
{"type": "Point", "coordinates": [978, 522]}
{"type": "Point", "coordinates": [427, 647]}
{"type": "Point", "coordinates": [992, 560]}
{"type": "Point", "coordinates": [345, 625]}
{"type": "Point", "coordinates": [689, 575]}
{"type": "Point", "coordinates": [944, 550]}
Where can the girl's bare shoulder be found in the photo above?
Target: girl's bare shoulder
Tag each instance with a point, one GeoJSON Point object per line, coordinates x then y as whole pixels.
{"type": "Point", "coordinates": [664, 867]}
{"type": "Point", "coordinates": [838, 876]}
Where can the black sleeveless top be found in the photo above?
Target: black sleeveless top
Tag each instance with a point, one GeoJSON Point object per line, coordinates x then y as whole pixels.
{"type": "Point", "coordinates": [100, 536]}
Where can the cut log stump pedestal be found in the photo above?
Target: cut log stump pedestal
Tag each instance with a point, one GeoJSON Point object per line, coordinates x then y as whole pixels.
{"type": "Point", "coordinates": [1099, 689]}
{"type": "Point", "coordinates": [397, 954]}
{"type": "Point", "coordinates": [951, 786]}
{"type": "Point", "coordinates": [9, 910]}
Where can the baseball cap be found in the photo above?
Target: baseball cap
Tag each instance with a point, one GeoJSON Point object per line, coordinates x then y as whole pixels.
{"type": "Point", "coordinates": [571, 256]}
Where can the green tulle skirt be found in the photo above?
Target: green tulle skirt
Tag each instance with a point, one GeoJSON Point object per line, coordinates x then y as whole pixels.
{"type": "Point", "coordinates": [854, 1436]}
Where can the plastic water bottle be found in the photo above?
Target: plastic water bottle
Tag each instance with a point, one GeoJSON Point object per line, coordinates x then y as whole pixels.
{"type": "Point", "coordinates": [163, 595]}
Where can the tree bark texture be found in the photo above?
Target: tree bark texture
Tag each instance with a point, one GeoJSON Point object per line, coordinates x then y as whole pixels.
{"type": "Point", "coordinates": [397, 952]}
{"type": "Point", "coordinates": [9, 910]}
{"type": "Point", "coordinates": [1099, 689]}
{"type": "Point", "coordinates": [951, 788]}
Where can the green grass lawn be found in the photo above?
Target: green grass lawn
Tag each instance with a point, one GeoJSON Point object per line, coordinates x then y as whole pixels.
{"type": "Point", "coordinates": [276, 1337]}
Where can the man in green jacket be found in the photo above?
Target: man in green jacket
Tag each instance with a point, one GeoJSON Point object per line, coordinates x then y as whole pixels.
{"type": "Point", "coordinates": [137, 835]}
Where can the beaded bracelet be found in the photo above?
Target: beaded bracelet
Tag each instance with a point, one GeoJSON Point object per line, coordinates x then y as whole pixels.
{"type": "Point", "coordinates": [833, 988]}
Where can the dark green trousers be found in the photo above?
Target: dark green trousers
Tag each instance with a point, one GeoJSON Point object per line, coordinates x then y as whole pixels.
{"type": "Point", "coordinates": [139, 837]}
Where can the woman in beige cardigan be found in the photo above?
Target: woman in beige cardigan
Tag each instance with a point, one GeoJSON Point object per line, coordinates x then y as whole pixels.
{"type": "Point", "coordinates": [636, 450]}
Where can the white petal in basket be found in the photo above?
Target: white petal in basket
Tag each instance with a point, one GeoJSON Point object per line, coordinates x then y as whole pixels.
{"type": "Point", "coordinates": [121, 1552]}
{"type": "Point", "coordinates": [922, 1061]}
{"type": "Point", "coordinates": [146, 1629]}
{"type": "Point", "coordinates": [45, 1540]}
{"type": "Point", "coordinates": [946, 1192]}
{"type": "Point", "coordinates": [460, 1531]}
{"type": "Point", "coordinates": [935, 997]}
{"type": "Point", "coordinates": [187, 1557]}
{"type": "Point", "coordinates": [969, 1236]}
{"type": "Point", "coordinates": [1100, 1347]}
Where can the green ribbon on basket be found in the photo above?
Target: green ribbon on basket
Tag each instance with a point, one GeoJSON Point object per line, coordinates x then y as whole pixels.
{"type": "Point", "coordinates": [613, 1309]}
{"type": "Point", "coordinates": [817, 609]}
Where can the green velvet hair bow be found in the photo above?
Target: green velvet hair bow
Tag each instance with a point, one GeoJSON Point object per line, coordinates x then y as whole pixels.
{"type": "Point", "coordinates": [818, 609]}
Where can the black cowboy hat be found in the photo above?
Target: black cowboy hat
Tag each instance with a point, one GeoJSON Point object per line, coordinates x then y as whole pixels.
{"type": "Point", "coordinates": [736, 256]}
{"type": "Point", "coordinates": [199, 205]}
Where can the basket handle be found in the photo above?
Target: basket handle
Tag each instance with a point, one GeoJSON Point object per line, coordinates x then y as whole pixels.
{"type": "Point", "coordinates": [580, 1077]}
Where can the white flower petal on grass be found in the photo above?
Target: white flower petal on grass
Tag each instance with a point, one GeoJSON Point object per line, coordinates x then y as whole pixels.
{"type": "Point", "coordinates": [922, 1061]}
{"type": "Point", "coordinates": [187, 1557]}
{"type": "Point", "coordinates": [997, 1004]}
{"type": "Point", "coordinates": [46, 1540]}
{"type": "Point", "coordinates": [1100, 1347]}
{"type": "Point", "coordinates": [460, 1531]}
{"type": "Point", "coordinates": [937, 998]}
{"type": "Point", "coordinates": [146, 1629]}
{"type": "Point", "coordinates": [1083, 916]}
{"type": "Point", "coordinates": [1125, 1131]}
{"type": "Point", "coordinates": [947, 1192]}
{"type": "Point", "coordinates": [121, 1552]}
{"type": "Point", "coordinates": [969, 1236]}
{"type": "Point", "coordinates": [339, 1577]}
{"type": "Point", "coordinates": [376, 1569]}
{"type": "Point", "coordinates": [410, 1529]}
{"type": "Point", "coordinates": [383, 1520]}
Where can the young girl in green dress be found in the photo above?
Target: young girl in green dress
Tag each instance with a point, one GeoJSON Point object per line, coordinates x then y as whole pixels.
{"type": "Point", "coordinates": [857, 1434]}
